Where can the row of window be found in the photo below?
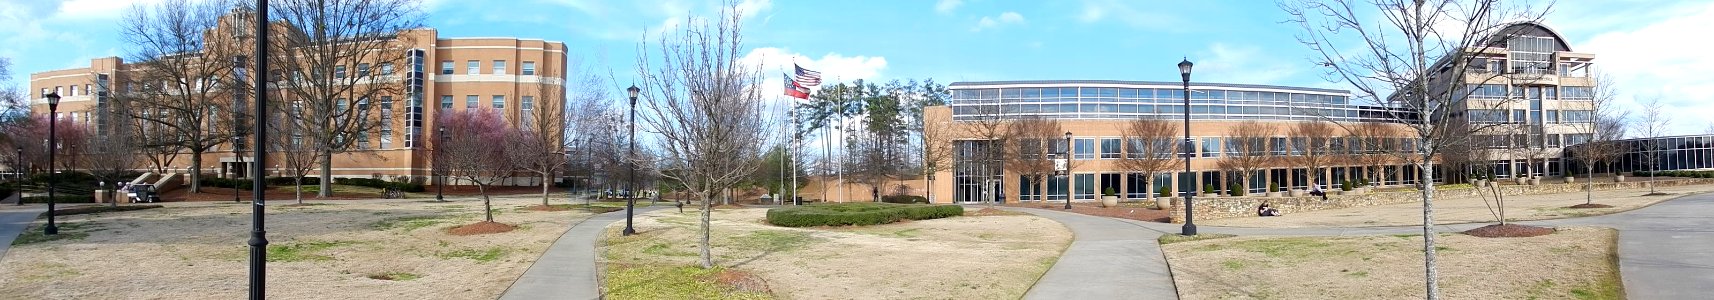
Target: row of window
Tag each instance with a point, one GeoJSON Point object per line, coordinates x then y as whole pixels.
{"type": "Point", "coordinates": [1527, 116]}
{"type": "Point", "coordinates": [499, 102]}
{"type": "Point", "coordinates": [88, 90]}
{"type": "Point", "coordinates": [1130, 94]}
{"type": "Point", "coordinates": [1515, 141]}
{"type": "Point", "coordinates": [474, 67]}
{"type": "Point", "coordinates": [1213, 147]}
{"type": "Point", "coordinates": [1499, 91]}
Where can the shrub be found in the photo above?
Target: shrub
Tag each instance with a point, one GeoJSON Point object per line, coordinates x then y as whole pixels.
{"type": "Point", "coordinates": [1208, 189]}
{"type": "Point", "coordinates": [242, 184]}
{"type": "Point", "coordinates": [1237, 189]}
{"type": "Point", "coordinates": [1273, 187]}
{"type": "Point", "coordinates": [857, 214]}
{"type": "Point", "coordinates": [380, 184]}
{"type": "Point", "coordinates": [906, 199]}
{"type": "Point", "coordinates": [288, 181]}
{"type": "Point", "coordinates": [1363, 182]}
{"type": "Point", "coordinates": [1164, 191]}
{"type": "Point", "coordinates": [1109, 192]}
{"type": "Point", "coordinates": [61, 199]}
{"type": "Point", "coordinates": [1345, 185]}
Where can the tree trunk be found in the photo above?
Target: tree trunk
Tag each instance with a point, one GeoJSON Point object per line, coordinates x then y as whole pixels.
{"type": "Point", "coordinates": [195, 171]}
{"type": "Point", "coordinates": [487, 206]}
{"type": "Point", "coordinates": [1429, 270]}
{"type": "Point", "coordinates": [326, 184]}
{"type": "Point", "coordinates": [544, 190]}
{"type": "Point", "coordinates": [298, 183]}
{"type": "Point", "coordinates": [707, 257]}
{"type": "Point", "coordinates": [1589, 185]}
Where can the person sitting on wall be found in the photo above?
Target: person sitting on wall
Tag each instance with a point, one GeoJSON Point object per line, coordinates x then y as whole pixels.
{"type": "Point", "coordinates": [1315, 190]}
{"type": "Point", "coordinates": [1267, 211]}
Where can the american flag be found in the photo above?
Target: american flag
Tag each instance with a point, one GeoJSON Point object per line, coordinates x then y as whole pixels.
{"type": "Point", "coordinates": [794, 90]}
{"type": "Point", "coordinates": [805, 77]}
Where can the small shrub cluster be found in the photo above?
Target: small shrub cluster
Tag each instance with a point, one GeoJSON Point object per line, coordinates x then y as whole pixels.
{"type": "Point", "coordinates": [381, 184]}
{"type": "Point", "coordinates": [61, 199]}
{"type": "Point", "coordinates": [239, 183]}
{"type": "Point", "coordinates": [1686, 174]}
{"type": "Point", "coordinates": [1345, 185]}
{"type": "Point", "coordinates": [857, 214]}
{"type": "Point", "coordinates": [1237, 189]}
{"type": "Point", "coordinates": [289, 181]}
{"type": "Point", "coordinates": [905, 199]}
{"type": "Point", "coordinates": [1164, 191]}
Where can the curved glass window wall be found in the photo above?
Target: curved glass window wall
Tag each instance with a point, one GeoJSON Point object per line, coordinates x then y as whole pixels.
{"type": "Point", "coordinates": [1207, 103]}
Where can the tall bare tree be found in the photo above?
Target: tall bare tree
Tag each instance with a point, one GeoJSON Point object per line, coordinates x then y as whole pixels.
{"type": "Point", "coordinates": [326, 56]}
{"type": "Point", "coordinates": [1372, 148]}
{"type": "Point", "coordinates": [1653, 124]}
{"type": "Point", "coordinates": [936, 153]}
{"type": "Point", "coordinates": [1247, 151]}
{"type": "Point", "coordinates": [109, 157]}
{"type": "Point", "coordinates": [476, 148]}
{"type": "Point", "coordinates": [1310, 140]}
{"type": "Point", "coordinates": [1150, 145]}
{"type": "Point", "coordinates": [1411, 58]}
{"type": "Point", "coordinates": [298, 155]}
{"type": "Point", "coordinates": [178, 88]}
{"type": "Point", "coordinates": [706, 108]}
{"type": "Point", "coordinates": [541, 140]}
{"type": "Point", "coordinates": [1031, 140]}
{"type": "Point", "coordinates": [1605, 126]}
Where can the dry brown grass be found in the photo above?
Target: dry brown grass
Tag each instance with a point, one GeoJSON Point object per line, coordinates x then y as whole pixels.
{"type": "Point", "coordinates": [1466, 210]}
{"type": "Point", "coordinates": [1572, 263]}
{"type": "Point", "coordinates": [989, 257]}
{"type": "Point", "coordinates": [352, 250]}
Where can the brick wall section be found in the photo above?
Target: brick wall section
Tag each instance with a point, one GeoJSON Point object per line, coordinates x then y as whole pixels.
{"type": "Point", "coordinates": [1233, 207]}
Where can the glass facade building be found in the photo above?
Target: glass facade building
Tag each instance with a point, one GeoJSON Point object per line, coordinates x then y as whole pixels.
{"type": "Point", "coordinates": [1096, 99]}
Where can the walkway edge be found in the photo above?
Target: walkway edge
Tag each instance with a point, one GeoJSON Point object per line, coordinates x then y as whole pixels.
{"type": "Point", "coordinates": [567, 270]}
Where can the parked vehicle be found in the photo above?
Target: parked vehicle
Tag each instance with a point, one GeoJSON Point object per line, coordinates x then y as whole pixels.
{"type": "Point", "coordinates": [142, 193]}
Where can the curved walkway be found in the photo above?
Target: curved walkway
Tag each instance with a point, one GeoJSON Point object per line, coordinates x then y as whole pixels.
{"type": "Point", "coordinates": [566, 269]}
{"type": "Point", "coordinates": [1666, 251]}
{"type": "Point", "coordinates": [1107, 259]}
{"type": "Point", "coordinates": [14, 221]}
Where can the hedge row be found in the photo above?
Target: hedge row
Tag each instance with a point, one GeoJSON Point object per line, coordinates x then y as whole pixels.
{"type": "Point", "coordinates": [1686, 174]}
{"type": "Point", "coordinates": [381, 184]}
{"type": "Point", "coordinates": [906, 199]}
{"type": "Point", "coordinates": [61, 199]}
{"type": "Point", "coordinates": [242, 184]}
{"type": "Point", "coordinates": [857, 214]}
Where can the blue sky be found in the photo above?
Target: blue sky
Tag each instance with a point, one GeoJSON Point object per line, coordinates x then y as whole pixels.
{"type": "Point", "coordinates": [1654, 48]}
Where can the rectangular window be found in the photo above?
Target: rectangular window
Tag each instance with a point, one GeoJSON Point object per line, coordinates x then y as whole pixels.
{"type": "Point", "coordinates": [1085, 149]}
{"type": "Point", "coordinates": [446, 67]}
{"type": "Point", "coordinates": [499, 67]}
{"type": "Point", "coordinates": [1211, 147]}
{"type": "Point", "coordinates": [470, 102]}
{"type": "Point", "coordinates": [473, 67]}
{"type": "Point", "coordinates": [1553, 140]}
{"type": "Point", "coordinates": [529, 68]}
{"type": "Point", "coordinates": [527, 103]}
{"type": "Point", "coordinates": [499, 101]}
{"type": "Point", "coordinates": [445, 101]}
{"type": "Point", "coordinates": [1110, 148]}
{"type": "Point", "coordinates": [1085, 184]}
{"type": "Point", "coordinates": [362, 70]}
{"type": "Point", "coordinates": [387, 69]}
{"type": "Point", "coordinates": [338, 71]}
{"type": "Point", "coordinates": [72, 91]}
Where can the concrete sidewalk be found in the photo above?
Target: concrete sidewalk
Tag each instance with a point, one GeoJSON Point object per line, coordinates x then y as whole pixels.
{"type": "Point", "coordinates": [1666, 251]}
{"type": "Point", "coordinates": [1107, 259]}
{"type": "Point", "coordinates": [567, 269]}
{"type": "Point", "coordinates": [13, 222]}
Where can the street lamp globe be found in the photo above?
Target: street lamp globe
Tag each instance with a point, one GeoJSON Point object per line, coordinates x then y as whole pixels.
{"type": "Point", "coordinates": [1184, 68]}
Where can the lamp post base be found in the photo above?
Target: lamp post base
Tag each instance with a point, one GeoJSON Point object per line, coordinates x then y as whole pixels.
{"type": "Point", "coordinates": [1188, 229]}
{"type": "Point", "coordinates": [51, 230]}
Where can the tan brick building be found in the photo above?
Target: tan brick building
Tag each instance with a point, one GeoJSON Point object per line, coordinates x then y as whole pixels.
{"type": "Point", "coordinates": [439, 74]}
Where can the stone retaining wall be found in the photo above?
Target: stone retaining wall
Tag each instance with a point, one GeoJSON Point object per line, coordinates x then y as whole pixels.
{"type": "Point", "coordinates": [1210, 208]}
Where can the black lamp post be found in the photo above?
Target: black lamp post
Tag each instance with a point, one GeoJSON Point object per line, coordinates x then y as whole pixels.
{"type": "Point", "coordinates": [1067, 157]}
{"type": "Point", "coordinates": [1189, 201]}
{"type": "Point", "coordinates": [237, 155]}
{"type": "Point", "coordinates": [440, 185]}
{"type": "Point", "coordinates": [53, 111]}
{"type": "Point", "coordinates": [258, 185]}
{"type": "Point", "coordinates": [19, 167]}
{"type": "Point", "coordinates": [631, 153]}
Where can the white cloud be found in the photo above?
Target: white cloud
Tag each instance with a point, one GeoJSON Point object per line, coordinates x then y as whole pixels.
{"type": "Point", "coordinates": [946, 6]}
{"type": "Point", "coordinates": [1006, 18]}
{"type": "Point", "coordinates": [98, 9]}
{"type": "Point", "coordinates": [1664, 58]}
{"type": "Point", "coordinates": [1241, 64]}
{"type": "Point", "coordinates": [1124, 12]}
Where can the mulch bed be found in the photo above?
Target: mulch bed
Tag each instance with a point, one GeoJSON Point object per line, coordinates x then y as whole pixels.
{"type": "Point", "coordinates": [548, 207]}
{"type": "Point", "coordinates": [484, 227]}
{"type": "Point", "coordinates": [742, 281]}
{"type": "Point", "coordinates": [992, 212]}
{"type": "Point", "coordinates": [1509, 230]}
{"type": "Point", "coordinates": [1123, 212]}
{"type": "Point", "coordinates": [91, 209]}
{"type": "Point", "coordinates": [225, 194]}
{"type": "Point", "coordinates": [1591, 205]}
